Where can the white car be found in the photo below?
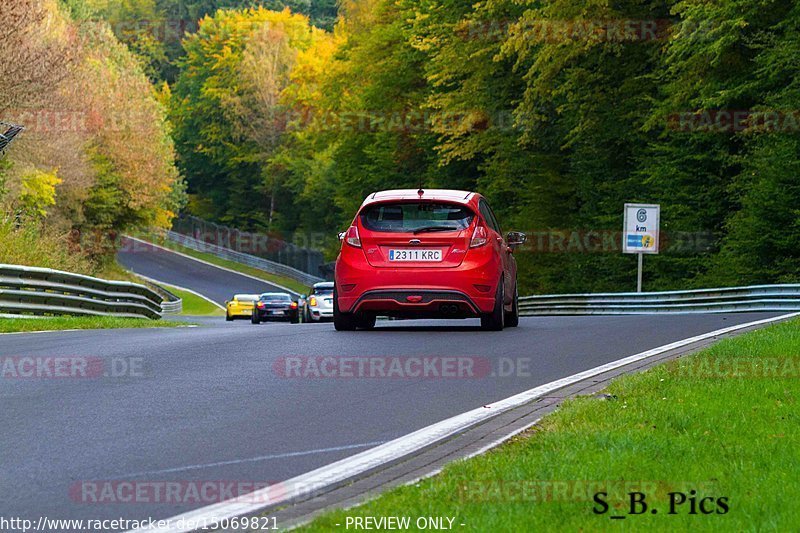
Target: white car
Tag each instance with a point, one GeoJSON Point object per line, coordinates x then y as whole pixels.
{"type": "Point", "coordinates": [319, 303]}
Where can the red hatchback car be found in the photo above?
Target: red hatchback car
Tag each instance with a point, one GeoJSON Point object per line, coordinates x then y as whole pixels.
{"type": "Point", "coordinates": [426, 254]}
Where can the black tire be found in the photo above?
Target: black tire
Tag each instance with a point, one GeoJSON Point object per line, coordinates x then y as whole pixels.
{"type": "Point", "coordinates": [495, 320]}
{"type": "Point", "coordinates": [512, 318]}
{"type": "Point", "coordinates": [342, 321]}
{"type": "Point", "coordinates": [366, 321]}
{"type": "Point", "coordinates": [255, 319]}
{"type": "Point", "coordinates": [228, 318]}
{"type": "Point", "coordinates": [295, 319]}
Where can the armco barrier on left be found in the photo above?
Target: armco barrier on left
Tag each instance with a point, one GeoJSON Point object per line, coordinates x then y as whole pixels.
{"type": "Point", "coordinates": [43, 291]}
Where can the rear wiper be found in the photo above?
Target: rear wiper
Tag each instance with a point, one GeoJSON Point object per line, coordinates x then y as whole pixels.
{"type": "Point", "coordinates": [434, 228]}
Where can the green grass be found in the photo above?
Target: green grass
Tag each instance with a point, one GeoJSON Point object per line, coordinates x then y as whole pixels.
{"type": "Point", "coordinates": [677, 427]}
{"type": "Point", "coordinates": [233, 265]}
{"type": "Point", "coordinates": [14, 325]}
{"type": "Point", "coordinates": [33, 244]}
{"type": "Point", "coordinates": [194, 305]}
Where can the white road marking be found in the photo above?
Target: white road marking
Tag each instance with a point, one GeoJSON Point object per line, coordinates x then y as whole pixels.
{"type": "Point", "coordinates": [252, 459]}
{"type": "Point", "coordinates": [430, 474]}
{"type": "Point", "coordinates": [349, 467]}
{"type": "Point", "coordinates": [262, 280]}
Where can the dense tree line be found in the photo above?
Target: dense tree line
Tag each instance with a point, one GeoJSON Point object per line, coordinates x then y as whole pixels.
{"type": "Point", "coordinates": [96, 156]}
{"type": "Point", "coordinates": [560, 111]}
{"type": "Point", "coordinates": [154, 29]}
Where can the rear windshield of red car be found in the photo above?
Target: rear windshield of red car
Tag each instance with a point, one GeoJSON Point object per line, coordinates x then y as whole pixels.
{"type": "Point", "coordinates": [413, 216]}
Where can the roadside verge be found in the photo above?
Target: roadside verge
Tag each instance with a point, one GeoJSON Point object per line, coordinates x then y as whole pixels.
{"type": "Point", "coordinates": [9, 325]}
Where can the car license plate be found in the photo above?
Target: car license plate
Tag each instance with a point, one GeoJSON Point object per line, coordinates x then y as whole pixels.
{"type": "Point", "coordinates": [415, 254]}
{"type": "Point", "coordinates": [276, 312]}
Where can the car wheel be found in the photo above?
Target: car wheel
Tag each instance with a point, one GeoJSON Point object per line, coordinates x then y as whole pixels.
{"type": "Point", "coordinates": [255, 319]}
{"type": "Point", "coordinates": [495, 320]}
{"type": "Point", "coordinates": [342, 321]}
{"type": "Point", "coordinates": [366, 321]}
{"type": "Point", "coordinates": [512, 318]}
{"type": "Point", "coordinates": [294, 320]}
{"type": "Point", "coordinates": [228, 317]}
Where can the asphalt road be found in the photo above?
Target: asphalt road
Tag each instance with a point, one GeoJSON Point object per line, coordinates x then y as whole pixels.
{"type": "Point", "coordinates": [214, 283]}
{"type": "Point", "coordinates": [213, 404]}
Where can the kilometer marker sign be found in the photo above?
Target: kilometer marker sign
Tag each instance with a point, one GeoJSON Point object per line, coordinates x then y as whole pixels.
{"type": "Point", "coordinates": [640, 232]}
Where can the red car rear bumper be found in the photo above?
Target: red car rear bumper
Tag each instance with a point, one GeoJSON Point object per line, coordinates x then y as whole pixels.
{"type": "Point", "coordinates": [468, 289]}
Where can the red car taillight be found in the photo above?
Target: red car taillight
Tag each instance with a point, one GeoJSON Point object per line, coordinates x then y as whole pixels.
{"type": "Point", "coordinates": [479, 237]}
{"type": "Point", "coordinates": [260, 305]}
{"type": "Point", "coordinates": [294, 305]}
{"type": "Point", "coordinates": [352, 238]}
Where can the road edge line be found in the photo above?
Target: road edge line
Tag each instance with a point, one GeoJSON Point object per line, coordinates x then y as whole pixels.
{"type": "Point", "coordinates": [165, 284]}
{"type": "Point", "coordinates": [392, 451]}
{"type": "Point", "coordinates": [262, 280]}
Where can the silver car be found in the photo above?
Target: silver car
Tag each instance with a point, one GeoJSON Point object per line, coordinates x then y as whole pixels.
{"type": "Point", "coordinates": [319, 303]}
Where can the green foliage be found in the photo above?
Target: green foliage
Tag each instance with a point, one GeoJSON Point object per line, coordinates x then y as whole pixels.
{"type": "Point", "coordinates": [38, 192]}
{"type": "Point", "coordinates": [96, 156]}
{"type": "Point", "coordinates": [35, 244]}
{"type": "Point", "coordinates": [227, 112]}
{"type": "Point", "coordinates": [154, 29]}
{"type": "Point", "coordinates": [555, 115]}
{"type": "Point", "coordinates": [548, 108]}
{"type": "Point", "coordinates": [5, 165]}
{"type": "Point", "coordinates": [762, 240]}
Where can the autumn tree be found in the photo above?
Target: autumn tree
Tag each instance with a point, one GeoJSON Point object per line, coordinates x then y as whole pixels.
{"type": "Point", "coordinates": [96, 155]}
{"type": "Point", "coordinates": [227, 111]}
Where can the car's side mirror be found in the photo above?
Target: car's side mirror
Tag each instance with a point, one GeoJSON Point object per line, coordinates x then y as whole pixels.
{"type": "Point", "coordinates": [341, 235]}
{"type": "Point", "coordinates": [303, 296]}
{"type": "Point", "coordinates": [515, 238]}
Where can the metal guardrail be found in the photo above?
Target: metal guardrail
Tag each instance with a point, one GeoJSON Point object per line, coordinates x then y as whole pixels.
{"type": "Point", "coordinates": [275, 247]}
{"type": "Point", "coordinates": [756, 298]}
{"type": "Point", "coordinates": [42, 291]}
{"type": "Point", "coordinates": [9, 131]}
{"type": "Point", "coordinates": [171, 304]}
{"type": "Point", "coordinates": [243, 258]}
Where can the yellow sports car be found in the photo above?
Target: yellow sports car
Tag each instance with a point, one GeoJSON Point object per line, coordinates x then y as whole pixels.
{"type": "Point", "coordinates": [240, 306]}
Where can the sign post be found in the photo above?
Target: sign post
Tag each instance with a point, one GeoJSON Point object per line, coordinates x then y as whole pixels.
{"type": "Point", "coordinates": [640, 233]}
